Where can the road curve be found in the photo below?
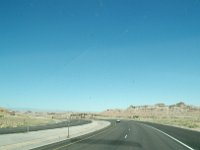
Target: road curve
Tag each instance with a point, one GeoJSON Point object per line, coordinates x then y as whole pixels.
{"type": "Point", "coordinates": [126, 135]}
{"type": "Point", "coordinates": [29, 140]}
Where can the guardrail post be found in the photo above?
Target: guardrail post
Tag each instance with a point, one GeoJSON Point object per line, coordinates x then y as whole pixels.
{"type": "Point", "coordinates": [69, 117]}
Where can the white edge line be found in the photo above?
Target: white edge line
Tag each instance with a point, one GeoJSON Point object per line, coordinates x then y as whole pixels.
{"type": "Point", "coordinates": [171, 137]}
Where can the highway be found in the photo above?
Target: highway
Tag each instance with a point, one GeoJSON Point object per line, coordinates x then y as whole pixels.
{"type": "Point", "coordinates": [126, 135]}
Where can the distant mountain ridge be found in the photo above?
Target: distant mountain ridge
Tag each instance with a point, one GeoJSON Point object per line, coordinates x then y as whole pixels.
{"type": "Point", "coordinates": [158, 110]}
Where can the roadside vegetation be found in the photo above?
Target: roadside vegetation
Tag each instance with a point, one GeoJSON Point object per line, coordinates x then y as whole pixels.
{"type": "Point", "coordinates": [10, 119]}
{"type": "Point", "coordinates": [184, 122]}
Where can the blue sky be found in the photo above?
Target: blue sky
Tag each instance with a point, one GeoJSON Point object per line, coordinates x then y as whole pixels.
{"type": "Point", "coordinates": [96, 54]}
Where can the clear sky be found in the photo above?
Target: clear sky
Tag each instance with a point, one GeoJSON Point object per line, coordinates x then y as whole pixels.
{"type": "Point", "coordinates": [90, 55]}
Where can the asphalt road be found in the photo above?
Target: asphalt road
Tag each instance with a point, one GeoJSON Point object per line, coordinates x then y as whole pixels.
{"type": "Point", "coordinates": [189, 137]}
{"type": "Point", "coordinates": [126, 135]}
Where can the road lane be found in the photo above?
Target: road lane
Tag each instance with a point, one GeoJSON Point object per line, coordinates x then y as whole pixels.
{"type": "Point", "coordinates": [127, 135]}
{"type": "Point", "coordinates": [189, 137]}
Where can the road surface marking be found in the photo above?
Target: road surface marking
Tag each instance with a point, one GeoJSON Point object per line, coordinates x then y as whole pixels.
{"type": "Point", "coordinates": [125, 136]}
{"type": "Point", "coordinates": [83, 139]}
{"type": "Point", "coordinates": [172, 137]}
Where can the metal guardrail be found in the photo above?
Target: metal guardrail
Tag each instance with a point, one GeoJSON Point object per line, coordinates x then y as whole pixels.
{"type": "Point", "coordinates": [42, 127]}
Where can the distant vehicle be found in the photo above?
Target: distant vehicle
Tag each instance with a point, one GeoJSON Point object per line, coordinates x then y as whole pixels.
{"type": "Point", "coordinates": [117, 121]}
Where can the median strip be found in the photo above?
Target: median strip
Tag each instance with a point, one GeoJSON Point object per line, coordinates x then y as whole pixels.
{"type": "Point", "coordinates": [36, 139]}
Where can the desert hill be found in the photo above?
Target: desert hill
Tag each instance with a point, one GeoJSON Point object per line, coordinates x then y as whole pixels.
{"type": "Point", "coordinates": [179, 114]}
{"type": "Point", "coordinates": [158, 110]}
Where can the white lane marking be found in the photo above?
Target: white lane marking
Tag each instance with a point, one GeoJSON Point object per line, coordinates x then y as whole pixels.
{"type": "Point", "coordinates": [125, 136]}
{"type": "Point", "coordinates": [172, 138]}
